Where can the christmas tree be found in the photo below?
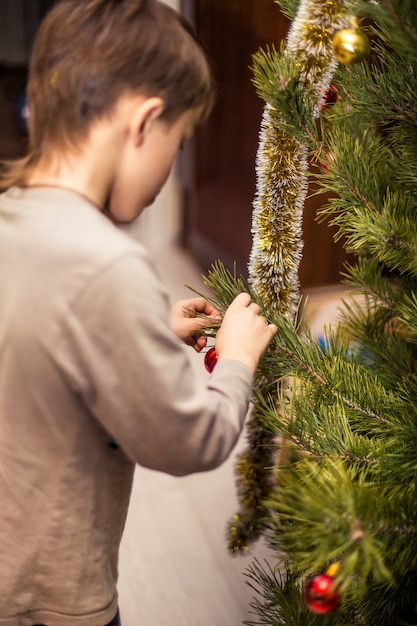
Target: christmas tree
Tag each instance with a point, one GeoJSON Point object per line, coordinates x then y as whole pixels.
{"type": "Point", "coordinates": [339, 508]}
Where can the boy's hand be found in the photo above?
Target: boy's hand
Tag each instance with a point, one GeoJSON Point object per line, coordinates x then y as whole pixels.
{"type": "Point", "coordinates": [244, 334]}
{"type": "Point", "coordinates": [187, 325]}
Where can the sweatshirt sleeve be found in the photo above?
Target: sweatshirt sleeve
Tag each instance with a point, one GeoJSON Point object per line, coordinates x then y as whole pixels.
{"type": "Point", "coordinates": [137, 378]}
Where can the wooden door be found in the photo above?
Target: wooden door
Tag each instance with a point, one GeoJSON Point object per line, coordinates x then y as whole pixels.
{"type": "Point", "coordinates": [218, 166]}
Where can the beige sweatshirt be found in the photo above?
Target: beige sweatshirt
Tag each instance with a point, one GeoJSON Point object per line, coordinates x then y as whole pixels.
{"type": "Point", "coordinates": [87, 355]}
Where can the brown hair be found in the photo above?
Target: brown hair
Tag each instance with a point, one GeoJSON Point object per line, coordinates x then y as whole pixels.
{"type": "Point", "coordinates": [88, 53]}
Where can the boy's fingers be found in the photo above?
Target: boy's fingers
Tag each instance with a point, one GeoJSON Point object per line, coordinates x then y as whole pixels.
{"type": "Point", "coordinates": [242, 299]}
{"type": "Point", "coordinates": [204, 306]}
{"type": "Point", "coordinates": [200, 343]}
{"type": "Point", "coordinates": [191, 308]}
{"type": "Point", "coordinates": [200, 322]}
{"type": "Point", "coordinates": [273, 328]}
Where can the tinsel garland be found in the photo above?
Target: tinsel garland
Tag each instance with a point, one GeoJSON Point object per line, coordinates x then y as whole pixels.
{"type": "Point", "coordinates": [281, 169]}
{"type": "Point", "coordinates": [282, 162]}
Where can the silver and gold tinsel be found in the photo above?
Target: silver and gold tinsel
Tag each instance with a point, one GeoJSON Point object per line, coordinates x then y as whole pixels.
{"type": "Point", "coordinates": [281, 168]}
{"type": "Point", "coordinates": [277, 216]}
{"type": "Point", "coordinates": [282, 161]}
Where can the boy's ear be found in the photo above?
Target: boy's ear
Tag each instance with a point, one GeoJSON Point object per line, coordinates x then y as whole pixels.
{"type": "Point", "coordinates": [145, 113]}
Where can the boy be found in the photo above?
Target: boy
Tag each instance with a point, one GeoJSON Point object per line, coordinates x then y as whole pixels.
{"type": "Point", "coordinates": [94, 373]}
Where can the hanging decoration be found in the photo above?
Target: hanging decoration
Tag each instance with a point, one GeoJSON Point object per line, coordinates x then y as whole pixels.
{"type": "Point", "coordinates": [321, 594]}
{"type": "Point", "coordinates": [282, 161]}
{"type": "Point", "coordinates": [210, 359]}
{"type": "Point", "coordinates": [331, 97]}
{"type": "Point", "coordinates": [351, 45]}
{"type": "Point", "coordinates": [281, 168]}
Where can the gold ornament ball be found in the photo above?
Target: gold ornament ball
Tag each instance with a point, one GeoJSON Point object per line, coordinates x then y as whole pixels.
{"type": "Point", "coordinates": [351, 46]}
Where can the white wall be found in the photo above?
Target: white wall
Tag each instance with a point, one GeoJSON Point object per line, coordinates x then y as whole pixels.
{"type": "Point", "coordinates": [160, 225]}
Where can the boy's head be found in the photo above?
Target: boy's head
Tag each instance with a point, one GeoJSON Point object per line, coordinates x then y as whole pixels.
{"type": "Point", "coordinates": [89, 53]}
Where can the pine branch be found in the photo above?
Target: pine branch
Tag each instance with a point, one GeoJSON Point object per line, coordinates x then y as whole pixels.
{"type": "Point", "coordinates": [399, 21]}
{"type": "Point", "coordinates": [347, 408]}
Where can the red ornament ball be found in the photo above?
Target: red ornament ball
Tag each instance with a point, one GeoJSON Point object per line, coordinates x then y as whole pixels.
{"type": "Point", "coordinates": [331, 97]}
{"type": "Point", "coordinates": [320, 594]}
{"type": "Point", "coordinates": [210, 360]}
